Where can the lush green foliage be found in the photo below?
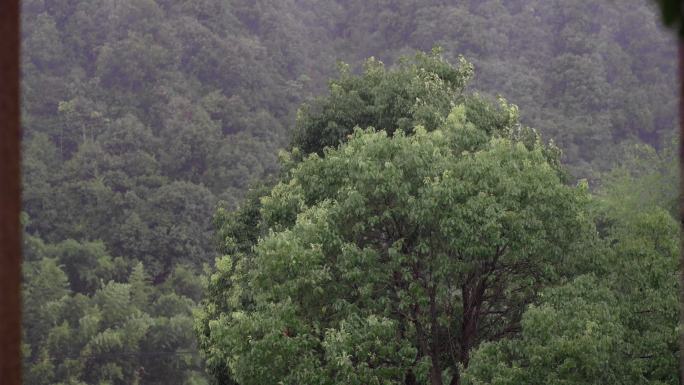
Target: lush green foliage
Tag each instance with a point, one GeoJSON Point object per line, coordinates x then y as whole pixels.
{"type": "Point", "coordinates": [584, 73]}
{"type": "Point", "coordinates": [91, 320]}
{"type": "Point", "coordinates": [141, 118]}
{"type": "Point", "coordinates": [420, 92]}
{"type": "Point", "coordinates": [395, 255]}
{"type": "Point", "coordinates": [616, 326]}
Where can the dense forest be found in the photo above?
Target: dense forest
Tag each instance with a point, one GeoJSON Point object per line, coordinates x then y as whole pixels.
{"type": "Point", "coordinates": [298, 191]}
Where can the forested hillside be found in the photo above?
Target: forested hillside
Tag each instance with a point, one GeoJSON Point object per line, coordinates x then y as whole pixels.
{"type": "Point", "coordinates": [141, 118]}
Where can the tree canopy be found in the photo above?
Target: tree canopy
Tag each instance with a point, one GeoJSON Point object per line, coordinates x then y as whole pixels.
{"type": "Point", "coordinates": [618, 325]}
{"type": "Point", "coordinates": [398, 252]}
{"type": "Point", "coordinates": [152, 130]}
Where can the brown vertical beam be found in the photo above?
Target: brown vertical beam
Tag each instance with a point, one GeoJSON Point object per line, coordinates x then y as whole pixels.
{"type": "Point", "coordinates": [681, 207]}
{"type": "Point", "coordinates": [10, 200]}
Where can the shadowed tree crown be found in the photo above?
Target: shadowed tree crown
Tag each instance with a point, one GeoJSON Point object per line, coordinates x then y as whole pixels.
{"type": "Point", "coordinates": [420, 91]}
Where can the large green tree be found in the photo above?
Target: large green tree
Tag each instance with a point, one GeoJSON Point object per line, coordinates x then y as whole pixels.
{"type": "Point", "coordinates": [391, 257]}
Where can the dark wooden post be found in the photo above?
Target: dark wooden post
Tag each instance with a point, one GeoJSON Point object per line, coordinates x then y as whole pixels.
{"type": "Point", "coordinates": [681, 207]}
{"type": "Point", "coordinates": [10, 199]}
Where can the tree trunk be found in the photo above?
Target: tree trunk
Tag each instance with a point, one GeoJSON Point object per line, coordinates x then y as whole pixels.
{"type": "Point", "coordinates": [435, 373]}
{"type": "Point", "coordinates": [10, 198]}
{"type": "Point", "coordinates": [472, 302]}
{"type": "Point", "coordinates": [456, 379]}
{"type": "Point", "coordinates": [436, 370]}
